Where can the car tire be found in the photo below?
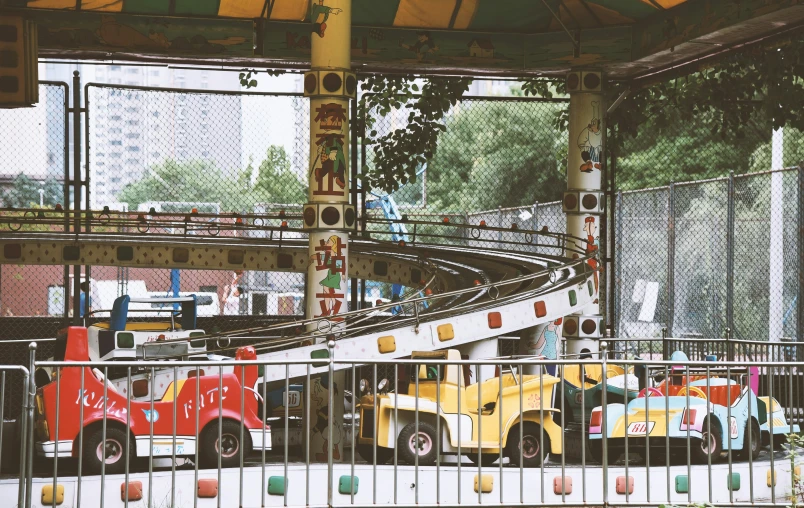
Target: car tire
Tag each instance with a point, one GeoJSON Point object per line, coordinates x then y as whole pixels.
{"type": "Point", "coordinates": [114, 451]}
{"type": "Point", "coordinates": [755, 446]}
{"type": "Point", "coordinates": [533, 448]}
{"type": "Point", "coordinates": [384, 455]}
{"type": "Point", "coordinates": [709, 445]}
{"type": "Point", "coordinates": [423, 443]}
{"type": "Point", "coordinates": [232, 447]}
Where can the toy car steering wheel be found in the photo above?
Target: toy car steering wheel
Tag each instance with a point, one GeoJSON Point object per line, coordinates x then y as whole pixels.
{"type": "Point", "coordinates": [650, 392]}
{"type": "Point", "coordinates": [694, 390]}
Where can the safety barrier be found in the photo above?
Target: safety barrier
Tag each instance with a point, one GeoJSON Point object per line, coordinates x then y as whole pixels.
{"type": "Point", "coordinates": [590, 431]}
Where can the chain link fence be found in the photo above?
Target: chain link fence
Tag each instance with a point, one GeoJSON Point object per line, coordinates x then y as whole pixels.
{"type": "Point", "coordinates": [698, 257]}
{"type": "Point", "coordinates": [706, 231]}
{"type": "Point", "coordinates": [175, 150]}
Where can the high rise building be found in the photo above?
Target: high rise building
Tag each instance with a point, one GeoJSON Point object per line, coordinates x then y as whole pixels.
{"type": "Point", "coordinates": [134, 129]}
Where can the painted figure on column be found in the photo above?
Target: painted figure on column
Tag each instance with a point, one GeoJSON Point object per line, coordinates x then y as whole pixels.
{"type": "Point", "coordinates": [329, 166]}
{"type": "Point", "coordinates": [592, 245]}
{"type": "Point", "coordinates": [329, 256]}
{"type": "Point", "coordinates": [547, 343]}
{"type": "Point", "coordinates": [319, 14]}
{"type": "Point", "coordinates": [590, 141]}
{"type": "Point", "coordinates": [320, 431]}
{"type": "Point", "coordinates": [332, 163]}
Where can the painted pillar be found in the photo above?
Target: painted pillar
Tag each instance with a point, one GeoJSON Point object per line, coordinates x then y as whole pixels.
{"type": "Point", "coordinates": [328, 216]}
{"type": "Point", "coordinates": [584, 199]}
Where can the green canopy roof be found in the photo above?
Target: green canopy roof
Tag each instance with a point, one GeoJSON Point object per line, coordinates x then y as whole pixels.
{"type": "Point", "coordinates": [505, 37]}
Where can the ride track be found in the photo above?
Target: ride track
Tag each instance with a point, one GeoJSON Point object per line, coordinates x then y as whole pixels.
{"type": "Point", "coordinates": [463, 286]}
{"type": "Point", "coordinates": [474, 293]}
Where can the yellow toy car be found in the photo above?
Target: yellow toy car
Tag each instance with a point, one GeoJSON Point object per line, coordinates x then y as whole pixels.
{"type": "Point", "coordinates": [540, 434]}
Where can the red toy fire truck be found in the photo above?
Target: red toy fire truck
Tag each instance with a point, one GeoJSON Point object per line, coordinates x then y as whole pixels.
{"type": "Point", "coordinates": [136, 425]}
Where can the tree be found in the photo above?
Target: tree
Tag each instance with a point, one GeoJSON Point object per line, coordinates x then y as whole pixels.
{"type": "Point", "coordinates": [24, 192]}
{"type": "Point", "coordinates": [492, 154]}
{"type": "Point", "coordinates": [276, 180]}
{"type": "Point", "coordinates": [202, 181]}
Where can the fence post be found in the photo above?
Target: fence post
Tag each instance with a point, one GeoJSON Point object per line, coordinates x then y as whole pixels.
{"type": "Point", "coordinates": [665, 345]}
{"type": "Point", "coordinates": [730, 259]}
{"type": "Point", "coordinates": [729, 345]}
{"type": "Point", "coordinates": [499, 225]}
{"type": "Point", "coordinates": [671, 257]}
{"type": "Point", "coordinates": [534, 221]}
{"type": "Point", "coordinates": [618, 261]}
{"type": "Point", "coordinates": [331, 420]}
{"type": "Point", "coordinates": [800, 298]}
{"type": "Point", "coordinates": [27, 428]}
{"type": "Point", "coordinates": [466, 232]}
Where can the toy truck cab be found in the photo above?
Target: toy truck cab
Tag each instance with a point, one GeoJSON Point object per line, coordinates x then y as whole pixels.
{"type": "Point", "coordinates": [136, 428]}
{"type": "Point", "coordinates": [452, 415]}
{"type": "Point", "coordinates": [119, 339]}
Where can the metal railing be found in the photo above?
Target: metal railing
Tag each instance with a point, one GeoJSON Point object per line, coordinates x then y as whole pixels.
{"type": "Point", "coordinates": [428, 436]}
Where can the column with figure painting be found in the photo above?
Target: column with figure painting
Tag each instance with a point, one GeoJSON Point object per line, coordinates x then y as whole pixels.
{"type": "Point", "coordinates": [328, 215]}
{"type": "Point", "coordinates": [584, 201]}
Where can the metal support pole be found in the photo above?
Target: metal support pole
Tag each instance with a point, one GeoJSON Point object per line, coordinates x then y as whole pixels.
{"type": "Point", "coordinates": [76, 191]}
{"type": "Point", "coordinates": [730, 258]}
{"type": "Point", "coordinates": [671, 257]}
{"type": "Point", "coordinates": [800, 299]}
{"type": "Point", "coordinates": [609, 280]}
{"type": "Point", "coordinates": [355, 193]}
{"type": "Point", "coordinates": [618, 248]}
{"type": "Point", "coordinates": [29, 424]}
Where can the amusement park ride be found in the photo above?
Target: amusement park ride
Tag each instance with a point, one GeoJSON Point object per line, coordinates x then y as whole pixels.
{"type": "Point", "coordinates": [171, 392]}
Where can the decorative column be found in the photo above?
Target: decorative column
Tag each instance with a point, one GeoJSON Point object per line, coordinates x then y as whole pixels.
{"type": "Point", "coordinates": [328, 216]}
{"type": "Point", "coordinates": [584, 199]}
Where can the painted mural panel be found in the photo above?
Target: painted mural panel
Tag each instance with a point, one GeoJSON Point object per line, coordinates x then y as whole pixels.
{"type": "Point", "coordinates": [106, 32]}
{"type": "Point", "coordinates": [437, 48]}
{"type": "Point", "coordinates": [598, 46]}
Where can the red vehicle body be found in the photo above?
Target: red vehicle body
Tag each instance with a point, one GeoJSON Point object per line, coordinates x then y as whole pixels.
{"type": "Point", "coordinates": [136, 425]}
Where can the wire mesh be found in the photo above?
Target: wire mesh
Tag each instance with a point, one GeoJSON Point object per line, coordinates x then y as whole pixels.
{"type": "Point", "coordinates": [178, 150]}
{"type": "Point", "coordinates": [34, 164]}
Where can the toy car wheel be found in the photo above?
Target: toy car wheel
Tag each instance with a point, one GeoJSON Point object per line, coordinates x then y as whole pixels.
{"type": "Point", "coordinates": [112, 451]}
{"type": "Point", "coordinates": [384, 455]}
{"type": "Point", "coordinates": [711, 444]}
{"type": "Point", "coordinates": [530, 444]}
{"type": "Point", "coordinates": [423, 443]}
{"type": "Point", "coordinates": [229, 446]}
{"type": "Point", "coordinates": [755, 446]}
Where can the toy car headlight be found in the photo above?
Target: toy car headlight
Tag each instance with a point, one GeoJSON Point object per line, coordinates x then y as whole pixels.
{"type": "Point", "coordinates": [382, 385]}
{"type": "Point", "coordinates": [363, 385]}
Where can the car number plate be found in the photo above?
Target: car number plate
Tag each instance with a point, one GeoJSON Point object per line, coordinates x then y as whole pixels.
{"type": "Point", "coordinates": [640, 428]}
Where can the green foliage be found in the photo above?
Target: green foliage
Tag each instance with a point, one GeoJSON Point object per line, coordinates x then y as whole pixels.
{"type": "Point", "coordinates": [24, 193]}
{"type": "Point", "coordinates": [399, 153]}
{"type": "Point", "coordinates": [248, 79]}
{"type": "Point", "coordinates": [483, 139]}
{"type": "Point", "coordinates": [276, 182]}
{"type": "Point", "coordinates": [202, 181]}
